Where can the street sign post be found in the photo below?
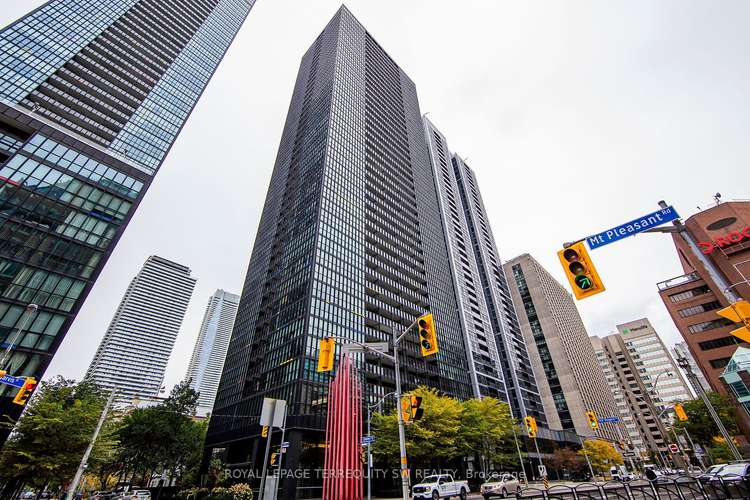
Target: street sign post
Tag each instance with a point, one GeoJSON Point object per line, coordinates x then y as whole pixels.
{"type": "Point", "coordinates": [367, 346]}
{"type": "Point", "coordinates": [635, 226]}
{"type": "Point", "coordinates": [674, 448]}
{"type": "Point", "coordinates": [368, 440]}
{"type": "Point", "coordinates": [628, 454]}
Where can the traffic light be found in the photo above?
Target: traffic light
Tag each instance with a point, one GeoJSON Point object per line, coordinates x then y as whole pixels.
{"type": "Point", "coordinates": [416, 411]}
{"type": "Point", "coordinates": [427, 336]}
{"type": "Point", "coordinates": [622, 444]}
{"type": "Point", "coordinates": [406, 408]}
{"type": "Point", "coordinates": [363, 454]}
{"type": "Point", "coordinates": [679, 411]}
{"type": "Point", "coordinates": [739, 312]}
{"type": "Point", "coordinates": [530, 426]}
{"type": "Point", "coordinates": [593, 422]}
{"type": "Point", "coordinates": [580, 270]}
{"type": "Point", "coordinates": [24, 393]}
{"type": "Point", "coordinates": [3, 373]}
{"type": "Point", "coordinates": [274, 456]}
{"type": "Point", "coordinates": [326, 354]}
{"type": "Point", "coordinates": [264, 431]}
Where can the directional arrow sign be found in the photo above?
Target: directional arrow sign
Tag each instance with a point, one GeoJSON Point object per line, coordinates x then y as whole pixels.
{"type": "Point", "coordinates": [583, 282]}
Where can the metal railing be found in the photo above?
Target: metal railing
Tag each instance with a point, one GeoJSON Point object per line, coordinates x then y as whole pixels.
{"type": "Point", "coordinates": [680, 488]}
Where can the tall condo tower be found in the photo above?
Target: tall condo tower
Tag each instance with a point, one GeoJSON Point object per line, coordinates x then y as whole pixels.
{"type": "Point", "coordinates": [134, 352]}
{"type": "Point", "coordinates": [350, 243]}
{"type": "Point", "coordinates": [211, 346]}
{"type": "Point", "coordinates": [92, 95]}
{"type": "Point", "coordinates": [573, 381]}
{"type": "Point", "coordinates": [499, 363]}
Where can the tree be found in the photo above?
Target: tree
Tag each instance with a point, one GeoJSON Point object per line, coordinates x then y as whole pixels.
{"type": "Point", "coordinates": [601, 454]}
{"type": "Point", "coordinates": [566, 459]}
{"type": "Point", "coordinates": [486, 431]}
{"type": "Point", "coordinates": [431, 439]}
{"type": "Point", "coordinates": [162, 438]}
{"type": "Point", "coordinates": [701, 425]}
{"type": "Point", "coordinates": [49, 440]}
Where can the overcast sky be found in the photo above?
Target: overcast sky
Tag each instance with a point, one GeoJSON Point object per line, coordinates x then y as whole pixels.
{"type": "Point", "coordinates": [576, 116]}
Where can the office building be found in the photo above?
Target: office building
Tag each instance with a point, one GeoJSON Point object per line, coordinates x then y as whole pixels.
{"type": "Point", "coordinates": [570, 379]}
{"type": "Point", "coordinates": [681, 350]}
{"type": "Point", "coordinates": [737, 378]}
{"type": "Point", "coordinates": [720, 235]}
{"type": "Point", "coordinates": [207, 361]}
{"type": "Point", "coordinates": [92, 95]}
{"type": "Point", "coordinates": [498, 360]}
{"type": "Point", "coordinates": [350, 243]}
{"type": "Point", "coordinates": [134, 352]}
{"type": "Point", "coordinates": [640, 417]}
{"type": "Point", "coordinates": [653, 364]}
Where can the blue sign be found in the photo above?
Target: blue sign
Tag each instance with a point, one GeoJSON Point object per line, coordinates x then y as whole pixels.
{"type": "Point", "coordinates": [635, 226]}
{"type": "Point", "coordinates": [368, 439]}
{"type": "Point", "coordinates": [11, 380]}
{"type": "Point", "coordinates": [609, 420]}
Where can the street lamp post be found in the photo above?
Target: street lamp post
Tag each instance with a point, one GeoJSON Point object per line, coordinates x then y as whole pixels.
{"type": "Point", "coordinates": [685, 365]}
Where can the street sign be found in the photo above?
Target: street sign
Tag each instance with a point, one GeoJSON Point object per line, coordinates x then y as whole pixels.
{"type": "Point", "coordinates": [273, 412]}
{"type": "Point", "coordinates": [14, 381]}
{"type": "Point", "coordinates": [635, 226]}
{"type": "Point", "coordinates": [542, 470]}
{"type": "Point", "coordinates": [609, 420]}
{"type": "Point", "coordinates": [628, 454]}
{"type": "Point", "coordinates": [674, 448]}
{"type": "Point", "coordinates": [367, 346]}
{"type": "Point", "coordinates": [284, 445]}
{"type": "Point", "coordinates": [368, 439]}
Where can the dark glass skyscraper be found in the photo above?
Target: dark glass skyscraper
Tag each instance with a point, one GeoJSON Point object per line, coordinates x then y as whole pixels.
{"type": "Point", "coordinates": [350, 243]}
{"type": "Point", "coordinates": [92, 95]}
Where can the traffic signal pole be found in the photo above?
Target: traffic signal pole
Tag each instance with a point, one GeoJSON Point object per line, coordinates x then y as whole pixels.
{"type": "Point", "coordinates": [84, 460]}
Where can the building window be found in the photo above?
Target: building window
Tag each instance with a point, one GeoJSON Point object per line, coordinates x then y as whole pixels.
{"type": "Point", "coordinates": [739, 389]}
{"type": "Point", "coordinates": [689, 294]}
{"type": "Point", "coordinates": [692, 311]}
{"type": "Point", "coordinates": [709, 325]}
{"type": "Point", "coordinates": [715, 344]}
{"type": "Point", "coordinates": [719, 363]}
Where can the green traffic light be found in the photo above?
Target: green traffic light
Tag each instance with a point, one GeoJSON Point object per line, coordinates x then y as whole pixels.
{"type": "Point", "coordinates": [584, 282]}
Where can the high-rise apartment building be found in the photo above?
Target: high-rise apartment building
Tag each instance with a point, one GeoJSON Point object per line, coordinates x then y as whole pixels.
{"type": "Point", "coordinates": [640, 416]}
{"type": "Point", "coordinates": [721, 236]}
{"type": "Point", "coordinates": [135, 350]}
{"type": "Point", "coordinates": [92, 95]}
{"type": "Point", "coordinates": [350, 243]}
{"type": "Point", "coordinates": [207, 361]}
{"type": "Point", "coordinates": [653, 363]}
{"type": "Point", "coordinates": [681, 350]}
{"type": "Point", "coordinates": [498, 360]}
{"type": "Point", "coordinates": [570, 378]}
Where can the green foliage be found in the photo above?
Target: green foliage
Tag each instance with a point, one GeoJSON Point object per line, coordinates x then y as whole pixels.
{"type": "Point", "coordinates": [433, 437]}
{"type": "Point", "coordinates": [448, 430]}
{"type": "Point", "coordinates": [601, 454]}
{"type": "Point", "coordinates": [53, 434]}
{"type": "Point", "coordinates": [701, 426]}
{"type": "Point", "coordinates": [486, 430]}
{"type": "Point", "coordinates": [163, 437]}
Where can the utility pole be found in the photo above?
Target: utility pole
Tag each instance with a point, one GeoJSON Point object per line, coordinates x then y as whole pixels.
{"type": "Point", "coordinates": [685, 365]}
{"type": "Point", "coordinates": [401, 431]}
{"type": "Point", "coordinates": [84, 460]}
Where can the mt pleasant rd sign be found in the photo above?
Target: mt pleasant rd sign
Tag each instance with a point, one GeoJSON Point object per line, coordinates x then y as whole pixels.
{"type": "Point", "coordinates": [633, 227]}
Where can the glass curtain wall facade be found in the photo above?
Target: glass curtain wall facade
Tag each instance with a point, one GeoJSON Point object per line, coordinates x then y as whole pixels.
{"type": "Point", "coordinates": [92, 95]}
{"type": "Point", "coordinates": [350, 243]}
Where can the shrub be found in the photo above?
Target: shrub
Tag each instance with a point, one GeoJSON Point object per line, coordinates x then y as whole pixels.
{"type": "Point", "coordinates": [241, 491]}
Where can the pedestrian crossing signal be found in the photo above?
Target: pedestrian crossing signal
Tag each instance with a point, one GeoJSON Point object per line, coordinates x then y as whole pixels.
{"type": "Point", "coordinates": [580, 271]}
